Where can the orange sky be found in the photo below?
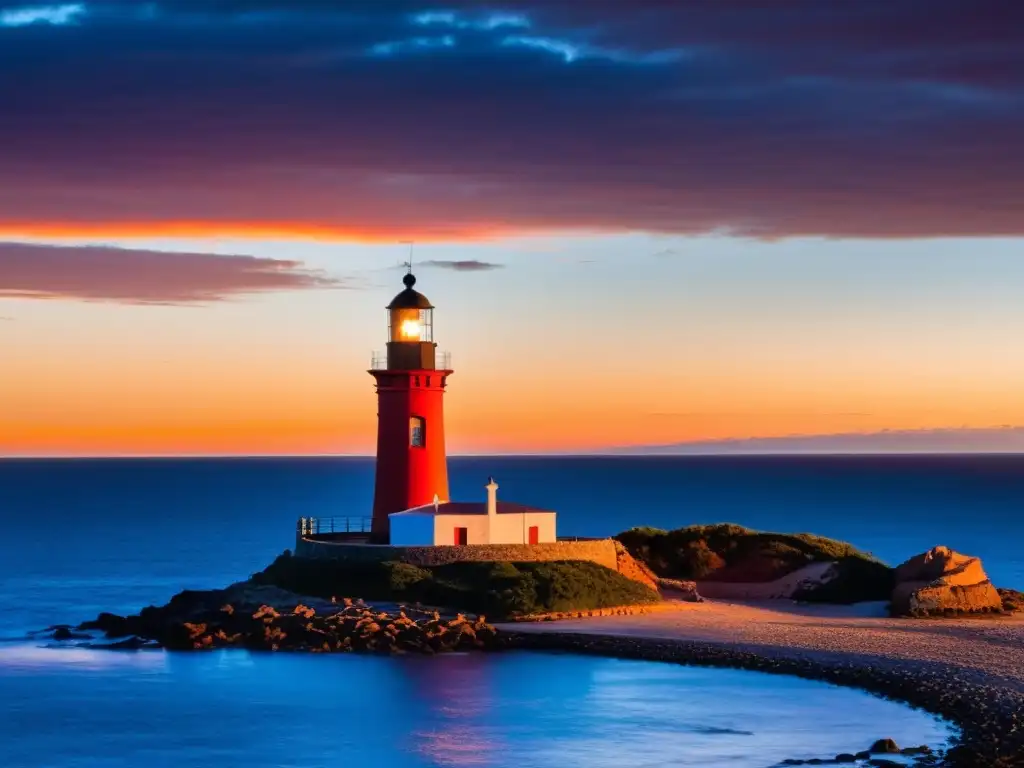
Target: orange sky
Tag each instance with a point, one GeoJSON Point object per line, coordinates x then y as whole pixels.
{"type": "Point", "coordinates": [571, 345]}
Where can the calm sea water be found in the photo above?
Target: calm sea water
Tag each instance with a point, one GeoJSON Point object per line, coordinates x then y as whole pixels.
{"type": "Point", "coordinates": [80, 537]}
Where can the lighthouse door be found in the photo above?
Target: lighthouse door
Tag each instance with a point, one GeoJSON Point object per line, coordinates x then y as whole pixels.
{"type": "Point", "coordinates": [461, 537]}
{"type": "Point", "coordinates": [534, 534]}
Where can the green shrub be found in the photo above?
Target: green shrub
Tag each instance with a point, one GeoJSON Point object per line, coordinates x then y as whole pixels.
{"type": "Point", "coordinates": [732, 553]}
{"type": "Point", "coordinates": [403, 577]}
{"type": "Point", "coordinates": [1013, 600]}
{"type": "Point", "coordinates": [496, 589]}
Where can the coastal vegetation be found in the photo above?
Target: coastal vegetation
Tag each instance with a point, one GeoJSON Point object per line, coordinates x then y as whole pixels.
{"type": "Point", "coordinates": [497, 589]}
{"type": "Point", "coordinates": [734, 554]}
{"type": "Point", "coordinates": [1013, 601]}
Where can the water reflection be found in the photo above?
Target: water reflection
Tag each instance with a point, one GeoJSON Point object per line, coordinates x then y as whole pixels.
{"type": "Point", "coordinates": [74, 708]}
{"type": "Point", "coordinates": [25, 657]}
{"type": "Point", "coordinates": [457, 699]}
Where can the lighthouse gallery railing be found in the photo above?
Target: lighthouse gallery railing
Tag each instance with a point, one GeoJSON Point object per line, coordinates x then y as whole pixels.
{"type": "Point", "coordinates": [442, 361]}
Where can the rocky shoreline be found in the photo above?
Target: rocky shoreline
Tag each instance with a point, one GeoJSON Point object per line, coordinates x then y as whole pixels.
{"type": "Point", "coordinates": [260, 618]}
{"type": "Point", "coordinates": [990, 718]}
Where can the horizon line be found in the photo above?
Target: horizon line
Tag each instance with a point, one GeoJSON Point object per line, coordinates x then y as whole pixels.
{"type": "Point", "coordinates": [566, 455]}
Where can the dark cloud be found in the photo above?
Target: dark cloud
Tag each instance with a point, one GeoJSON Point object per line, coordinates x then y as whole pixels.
{"type": "Point", "coordinates": [767, 117]}
{"type": "Point", "coordinates": [144, 277]}
{"type": "Point", "coordinates": [462, 265]}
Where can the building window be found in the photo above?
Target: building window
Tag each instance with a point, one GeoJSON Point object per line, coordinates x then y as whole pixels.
{"type": "Point", "coordinates": [417, 432]}
{"type": "Point", "coordinates": [461, 537]}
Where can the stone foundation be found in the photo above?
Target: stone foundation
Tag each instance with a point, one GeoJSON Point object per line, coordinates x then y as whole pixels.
{"type": "Point", "coordinates": [621, 610]}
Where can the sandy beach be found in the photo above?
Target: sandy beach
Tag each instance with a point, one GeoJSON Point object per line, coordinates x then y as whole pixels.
{"type": "Point", "coordinates": [970, 671]}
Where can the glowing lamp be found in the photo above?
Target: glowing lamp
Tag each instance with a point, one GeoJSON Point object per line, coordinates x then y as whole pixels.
{"type": "Point", "coordinates": [411, 330]}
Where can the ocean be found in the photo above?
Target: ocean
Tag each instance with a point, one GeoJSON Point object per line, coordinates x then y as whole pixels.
{"type": "Point", "coordinates": [80, 537]}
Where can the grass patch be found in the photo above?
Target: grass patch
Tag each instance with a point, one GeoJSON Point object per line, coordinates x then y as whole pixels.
{"type": "Point", "coordinates": [495, 589]}
{"type": "Point", "coordinates": [732, 553]}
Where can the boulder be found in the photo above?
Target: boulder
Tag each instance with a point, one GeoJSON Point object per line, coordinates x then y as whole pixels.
{"type": "Point", "coordinates": [884, 747]}
{"type": "Point", "coordinates": [686, 591]}
{"type": "Point", "coordinates": [65, 633]}
{"type": "Point", "coordinates": [941, 581]}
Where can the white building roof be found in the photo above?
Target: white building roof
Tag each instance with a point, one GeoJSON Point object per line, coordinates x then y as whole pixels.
{"type": "Point", "coordinates": [472, 508]}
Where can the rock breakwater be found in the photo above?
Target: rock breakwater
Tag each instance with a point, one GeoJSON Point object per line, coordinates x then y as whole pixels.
{"type": "Point", "coordinates": [273, 620]}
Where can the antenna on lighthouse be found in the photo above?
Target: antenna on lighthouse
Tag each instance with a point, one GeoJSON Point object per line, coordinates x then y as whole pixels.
{"type": "Point", "coordinates": [410, 243]}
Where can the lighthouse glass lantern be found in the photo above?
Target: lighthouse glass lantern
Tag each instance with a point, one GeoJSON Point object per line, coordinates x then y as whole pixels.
{"type": "Point", "coordinates": [411, 330]}
{"type": "Point", "coordinates": [410, 324]}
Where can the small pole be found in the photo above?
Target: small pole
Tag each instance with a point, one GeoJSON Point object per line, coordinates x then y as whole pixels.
{"type": "Point", "coordinates": [410, 243]}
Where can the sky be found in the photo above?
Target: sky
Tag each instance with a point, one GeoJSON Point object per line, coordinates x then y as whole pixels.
{"type": "Point", "coordinates": [643, 224]}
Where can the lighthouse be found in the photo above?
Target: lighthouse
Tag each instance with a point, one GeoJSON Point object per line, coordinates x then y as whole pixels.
{"type": "Point", "coordinates": [412, 467]}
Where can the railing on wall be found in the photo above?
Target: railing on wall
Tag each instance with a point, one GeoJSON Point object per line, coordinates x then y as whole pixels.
{"type": "Point", "coordinates": [318, 526]}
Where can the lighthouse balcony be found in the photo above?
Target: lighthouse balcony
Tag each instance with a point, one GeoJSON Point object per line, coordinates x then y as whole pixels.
{"type": "Point", "coordinates": [442, 361]}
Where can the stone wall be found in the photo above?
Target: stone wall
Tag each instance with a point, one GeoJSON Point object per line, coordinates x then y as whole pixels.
{"type": "Point", "coordinates": [621, 610]}
{"type": "Point", "coordinates": [600, 551]}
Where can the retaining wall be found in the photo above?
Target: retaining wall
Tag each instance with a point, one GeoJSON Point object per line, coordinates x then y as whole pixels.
{"type": "Point", "coordinates": [601, 551]}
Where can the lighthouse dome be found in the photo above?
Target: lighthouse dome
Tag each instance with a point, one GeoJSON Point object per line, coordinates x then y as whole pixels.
{"type": "Point", "coordinates": [410, 298]}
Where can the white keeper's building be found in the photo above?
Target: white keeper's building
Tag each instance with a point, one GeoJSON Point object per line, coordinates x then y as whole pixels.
{"type": "Point", "coordinates": [456, 523]}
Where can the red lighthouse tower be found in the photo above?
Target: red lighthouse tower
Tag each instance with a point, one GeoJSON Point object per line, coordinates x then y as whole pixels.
{"type": "Point", "coordinates": [412, 468]}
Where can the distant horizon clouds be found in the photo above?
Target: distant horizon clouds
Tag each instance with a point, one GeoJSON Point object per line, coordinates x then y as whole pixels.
{"type": "Point", "coordinates": [1001, 439]}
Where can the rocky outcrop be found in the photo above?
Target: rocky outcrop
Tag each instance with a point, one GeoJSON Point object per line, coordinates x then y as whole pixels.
{"type": "Point", "coordinates": [943, 582]}
{"type": "Point", "coordinates": [266, 618]}
{"type": "Point", "coordinates": [633, 569]}
{"type": "Point", "coordinates": [802, 580]}
{"type": "Point", "coordinates": [739, 563]}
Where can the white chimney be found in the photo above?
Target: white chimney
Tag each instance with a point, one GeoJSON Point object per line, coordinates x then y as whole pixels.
{"type": "Point", "coordinates": [492, 496]}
